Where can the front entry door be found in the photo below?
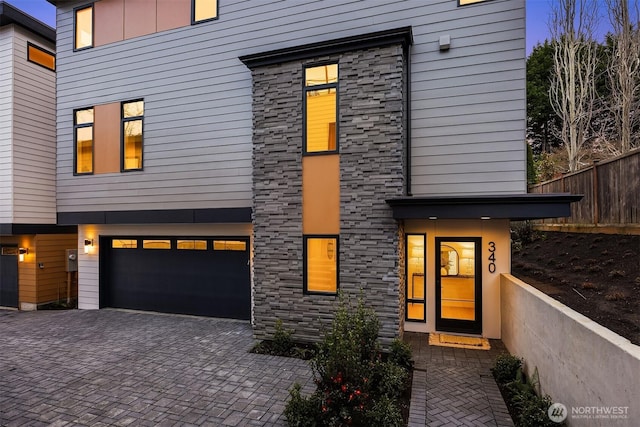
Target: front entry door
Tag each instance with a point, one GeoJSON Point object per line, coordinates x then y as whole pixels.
{"type": "Point", "coordinates": [458, 285]}
{"type": "Point", "coordinates": [8, 276]}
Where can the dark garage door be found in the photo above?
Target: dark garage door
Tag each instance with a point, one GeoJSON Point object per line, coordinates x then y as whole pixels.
{"type": "Point", "coordinates": [205, 277]}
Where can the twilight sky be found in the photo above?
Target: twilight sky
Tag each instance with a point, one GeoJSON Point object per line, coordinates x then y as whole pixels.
{"type": "Point", "coordinates": [537, 11]}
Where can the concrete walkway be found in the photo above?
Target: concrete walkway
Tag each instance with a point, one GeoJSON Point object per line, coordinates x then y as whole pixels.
{"type": "Point", "coordinates": [454, 387]}
{"type": "Point", "coordinates": [118, 368]}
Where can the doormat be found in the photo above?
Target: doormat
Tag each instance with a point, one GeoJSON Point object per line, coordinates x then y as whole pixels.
{"type": "Point", "coordinates": [458, 341]}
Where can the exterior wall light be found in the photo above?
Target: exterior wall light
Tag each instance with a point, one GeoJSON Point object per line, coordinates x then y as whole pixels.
{"type": "Point", "coordinates": [88, 243]}
{"type": "Point", "coordinates": [21, 253]}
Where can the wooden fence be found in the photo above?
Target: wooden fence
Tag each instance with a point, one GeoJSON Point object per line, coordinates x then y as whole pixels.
{"type": "Point", "coordinates": [611, 192]}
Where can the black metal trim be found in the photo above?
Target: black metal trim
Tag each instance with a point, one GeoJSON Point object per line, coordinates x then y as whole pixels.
{"type": "Point", "coordinates": [93, 26]}
{"type": "Point", "coordinates": [401, 35]}
{"type": "Point", "coordinates": [35, 46]}
{"type": "Point", "coordinates": [168, 216]}
{"type": "Point", "coordinates": [305, 90]}
{"type": "Point", "coordinates": [124, 120]}
{"type": "Point", "coordinates": [515, 207]}
{"type": "Point", "coordinates": [306, 237]}
{"type": "Point", "coordinates": [457, 325]}
{"type": "Point", "coordinates": [75, 141]}
{"type": "Point", "coordinates": [407, 300]}
{"type": "Point", "coordinates": [8, 229]}
{"type": "Point", "coordinates": [193, 13]}
{"type": "Point", "coordinates": [11, 15]}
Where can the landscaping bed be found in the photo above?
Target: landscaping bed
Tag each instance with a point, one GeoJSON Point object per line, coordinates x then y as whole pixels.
{"type": "Point", "coordinates": [597, 275]}
{"type": "Point", "coordinates": [356, 383]}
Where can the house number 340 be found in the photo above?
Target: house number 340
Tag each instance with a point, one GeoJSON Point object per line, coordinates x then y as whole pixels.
{"type": "Point", "coordinates": [492, 257]}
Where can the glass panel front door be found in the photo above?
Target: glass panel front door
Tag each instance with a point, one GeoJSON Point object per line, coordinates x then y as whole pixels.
{"type": "Point", "coordinates": [458, 285]}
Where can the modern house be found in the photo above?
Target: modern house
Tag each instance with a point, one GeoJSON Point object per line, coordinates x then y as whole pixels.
{"type": "Point", "coordinates": [32, 246]}
{"type": "Point", "coordinates": [252, 159]}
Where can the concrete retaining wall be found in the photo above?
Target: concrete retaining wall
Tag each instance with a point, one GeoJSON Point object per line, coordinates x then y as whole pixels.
{"type": "Point", "coordinates": [593, 371]}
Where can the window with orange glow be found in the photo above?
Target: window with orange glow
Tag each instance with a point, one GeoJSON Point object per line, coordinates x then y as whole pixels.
{"type": "Point", "coordinates": [83, 27]}
{"type": "Point", "coordinates": [83, 136]}
{"type": "Point", "coordinates": [320, 105]}
{"type": "Point", "coordinates": [204, 10]}
{"type": "Point", "coordinates": [320, 261]}
{"type": "Point", "coordinates": [415, 280]}
{"type": "Point", "coordinates": [132, 124]}
{"type": "Point", "coordinates": [41, 57]}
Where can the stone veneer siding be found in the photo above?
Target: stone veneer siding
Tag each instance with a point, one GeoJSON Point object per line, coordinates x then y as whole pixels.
{"type": "Point", "coordinates": [371, 143]}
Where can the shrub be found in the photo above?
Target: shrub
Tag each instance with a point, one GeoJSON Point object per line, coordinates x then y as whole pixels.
{"type": "Point", "coordinates": [400, 354]}
{"type": "Point", "coordinates": [534, 412]}
{"type": "Point", "coordinates": [522, 232]}
{"type": "Point", "coordinates": [282, 342]}
{"type": "Point", "coordinates": [506, 368]}
{"type": "Point", "coordinates": [354, 385]}
{"type": "Point", "coordinates": [301, 411]}
{"type": "Point", "coordinates": [527, 406]}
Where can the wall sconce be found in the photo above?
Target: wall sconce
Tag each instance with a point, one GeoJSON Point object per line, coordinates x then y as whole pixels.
{"type": "Point", "coordinates": [88, 243]}
{"type": "Point", "coordinates": [21, 253]}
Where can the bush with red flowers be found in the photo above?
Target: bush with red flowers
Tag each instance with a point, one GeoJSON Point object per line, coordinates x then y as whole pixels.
{"type": "Point", "coordinates": [355, 385]}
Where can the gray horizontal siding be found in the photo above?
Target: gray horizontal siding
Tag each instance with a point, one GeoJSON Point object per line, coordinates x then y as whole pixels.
{"type": "Point", "coordinates": [465, 102]}
{"type": "Point", "coordinates": [6, 126]}
{"type": "Point", "coordinates": [34, 135]}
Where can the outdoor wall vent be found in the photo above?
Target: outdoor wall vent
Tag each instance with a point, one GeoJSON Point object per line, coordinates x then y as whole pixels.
{"type": "Point", "coordinates": [445, 42]}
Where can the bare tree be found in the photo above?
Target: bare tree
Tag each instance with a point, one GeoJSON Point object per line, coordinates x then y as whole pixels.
{"type": "Point", "coordinates": [572, 24]}
{"type": "Point", "coordinates": [623, 70]}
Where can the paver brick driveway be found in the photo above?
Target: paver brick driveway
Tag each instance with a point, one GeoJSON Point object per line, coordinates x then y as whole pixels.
{"type": "Point", "coordinates": [111, 367]}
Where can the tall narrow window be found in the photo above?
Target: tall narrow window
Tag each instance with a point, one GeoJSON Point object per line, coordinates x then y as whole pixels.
{"type": "Point", "coordinates": [132, 121]}
{"type": "Point", "coordinates": [320, 109]}
{"type": "Point", "coordinates": [83, 136]}
{"type": "Point", "coordinates": [83, 27]}
{"type": "Point", "coordinates": [39, 56]}
{"type": "Point", "coordinates": [203, 10]}
{"type": "Point", "coordinates": [415, 279]}
{"type": "Point", "coordinates": [320, 264]}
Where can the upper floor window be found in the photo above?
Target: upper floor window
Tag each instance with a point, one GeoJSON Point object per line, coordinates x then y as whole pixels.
{"type": "Point", "coordinates": [39, 56]}
{"type": "Point", "coordinates": [320, 109]}
{"type": "Point", "coordinates": [83, 27]}
{"type": "Point", "coordinates": [132, 121]}
{"type": "Point", "coordinates": [466, 2]}
{"type": "Point", "coordinates": [204, 10]}
{"type": "Point", "coordinates": [83, 141]}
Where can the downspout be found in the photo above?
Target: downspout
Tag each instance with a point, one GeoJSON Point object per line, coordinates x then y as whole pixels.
{"type": "Point", "coordinates": [407, 115]}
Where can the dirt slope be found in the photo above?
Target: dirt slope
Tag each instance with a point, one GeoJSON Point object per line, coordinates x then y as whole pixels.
{"type": "Point", "coordinates": [597, 275]}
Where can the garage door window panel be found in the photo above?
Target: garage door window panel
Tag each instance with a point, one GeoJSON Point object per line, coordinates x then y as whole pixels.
{"type": "Point", "coordinates": [124, 244]}
{"type": "Point", "coordinates": [229, 245]}
{"type": "Point", "coordinates": [156, 244]}
{"type": "Point", "coordinates": [194, 245]}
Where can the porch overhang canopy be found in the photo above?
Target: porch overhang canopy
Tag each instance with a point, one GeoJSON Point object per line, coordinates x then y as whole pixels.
{"type": "Point", "coordinates": [516, 207]}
